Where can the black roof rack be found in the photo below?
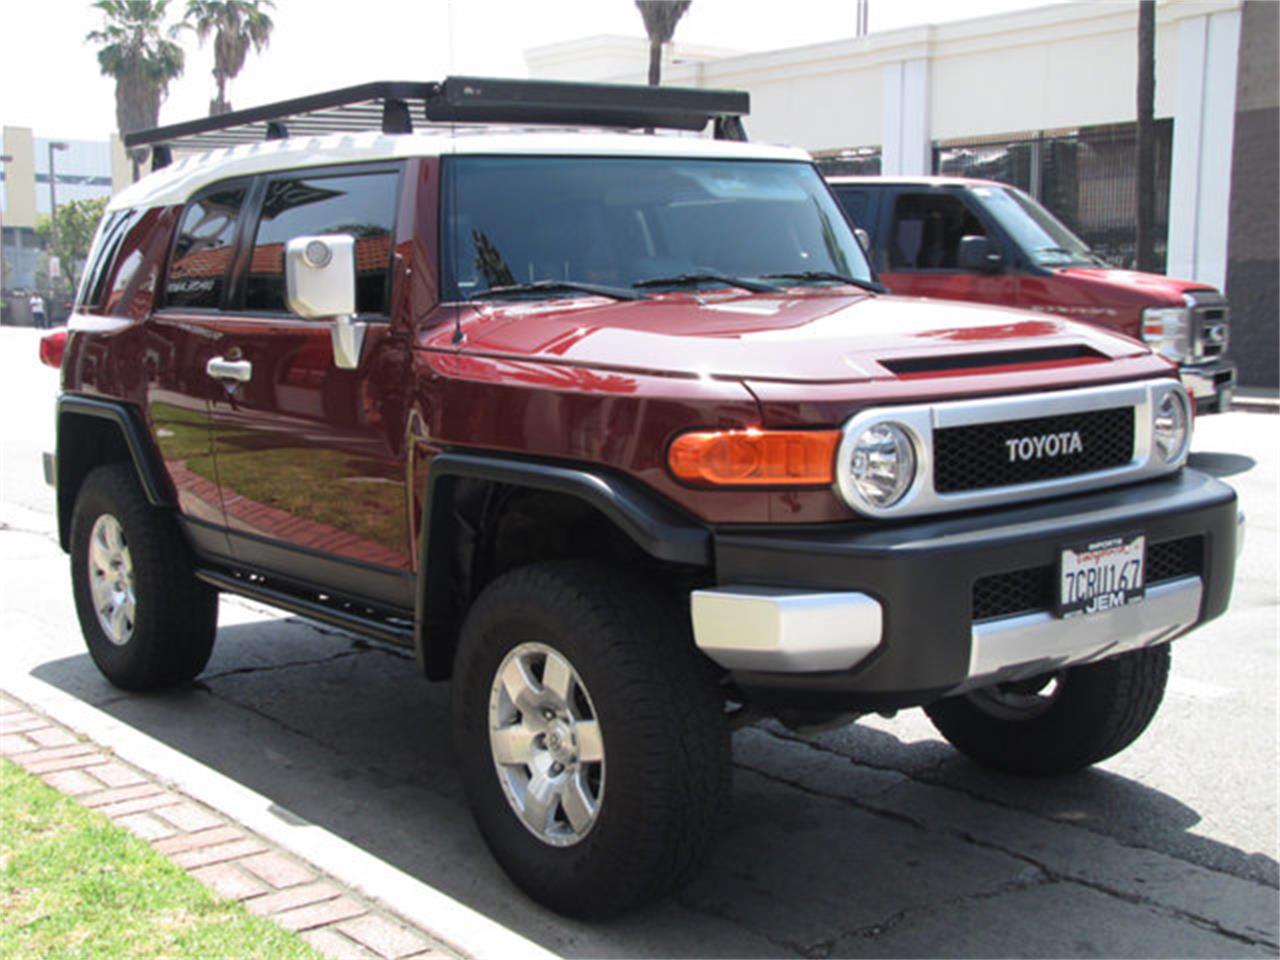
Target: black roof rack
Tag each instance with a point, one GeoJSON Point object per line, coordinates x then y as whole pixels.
{"type": "Point", "coordinates": [390, 107]}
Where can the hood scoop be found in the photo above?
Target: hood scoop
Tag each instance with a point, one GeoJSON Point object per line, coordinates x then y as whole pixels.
{"type": "Point", "coordinates": [962, 364]}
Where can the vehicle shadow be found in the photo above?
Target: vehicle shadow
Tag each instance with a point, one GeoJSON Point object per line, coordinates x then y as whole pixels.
{"type": "Point", "coordinates": [1221, 464]}
{"type": "Point", "coordinates": [346, 735]}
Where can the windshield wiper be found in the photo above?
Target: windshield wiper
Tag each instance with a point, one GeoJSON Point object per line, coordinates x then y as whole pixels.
{"type": "Point", "coordinates": [692, 279]}
{"type": "Point", "coordinates": [554, 286]}
{"type": "Point", "coordinates": [817, 275]}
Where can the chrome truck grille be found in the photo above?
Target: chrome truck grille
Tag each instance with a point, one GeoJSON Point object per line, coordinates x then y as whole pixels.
{"type": "Point", "coordinates": [1210, 330]}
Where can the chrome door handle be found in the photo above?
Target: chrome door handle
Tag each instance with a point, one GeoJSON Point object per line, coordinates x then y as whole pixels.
{"type": "Point", "coordinates": [222, 369]}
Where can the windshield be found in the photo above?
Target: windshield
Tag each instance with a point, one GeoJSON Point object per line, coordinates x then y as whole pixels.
{"type": "Point", "coordinates": [619, 221]}
{"type": "Point", "coordinates": [1035, 230]}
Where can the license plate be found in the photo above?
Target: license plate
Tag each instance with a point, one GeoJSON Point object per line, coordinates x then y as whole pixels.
{"type": "Point", "coordinates": [1102, 575]}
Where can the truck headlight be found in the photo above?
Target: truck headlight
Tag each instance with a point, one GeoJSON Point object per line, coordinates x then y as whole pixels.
{"type": "Point", "coordinates": [1167, 330]}
{"type": "Point", "coordinates": [1171, 424]}
{"type": "Point", "coordinates": [881, 465]}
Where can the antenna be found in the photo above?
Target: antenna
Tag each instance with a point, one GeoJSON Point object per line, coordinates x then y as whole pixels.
{"type": "Point", "coordinates": [458, 335]}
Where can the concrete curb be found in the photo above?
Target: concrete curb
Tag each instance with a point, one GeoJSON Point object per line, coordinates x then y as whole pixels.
{"type": "Point", "coordinates": [1255, 404]}
{"type": "Point", "coordinates": [465, 930]}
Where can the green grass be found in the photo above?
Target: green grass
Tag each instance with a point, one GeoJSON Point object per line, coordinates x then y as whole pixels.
{"type": "Point", "coordinates": [73, 884]}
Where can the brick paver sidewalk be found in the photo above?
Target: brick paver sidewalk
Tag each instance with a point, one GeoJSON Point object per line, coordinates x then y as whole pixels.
{"type": "Point", "coordinates": [222, 855]}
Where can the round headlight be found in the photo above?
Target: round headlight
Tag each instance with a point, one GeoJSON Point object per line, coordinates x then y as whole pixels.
{"type": "Point", "coordinates": [882, 464]}
{"type": "Point", "coordinates": [1170, 425]}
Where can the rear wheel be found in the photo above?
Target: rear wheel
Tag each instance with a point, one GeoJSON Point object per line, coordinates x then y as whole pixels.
{"type": "Point", "coordinates": [590, 734]}
{"type": "Point", "coordinates": [146, 620]}
{"type": "Point", "coordinates": [1060, 722]}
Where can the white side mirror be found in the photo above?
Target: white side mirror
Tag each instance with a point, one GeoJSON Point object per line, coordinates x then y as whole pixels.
{"type": "Point", "coordinates": [320, 283]}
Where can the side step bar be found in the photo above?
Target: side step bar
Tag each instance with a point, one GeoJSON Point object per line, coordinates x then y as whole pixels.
{"type": "Point", "coordinates": [335, 613]}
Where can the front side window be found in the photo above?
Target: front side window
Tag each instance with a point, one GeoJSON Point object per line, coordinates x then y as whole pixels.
{"type": "Point", "coordinates": [201, 259]}
{"type": "Point", "coordinates": [619, 221]}
{"type": "Point", "coordinates": [362, 205]}
{"type": "Point", "coordinates": [927, 228]}
{"type": "Point", "coordinates": [1035, 230]}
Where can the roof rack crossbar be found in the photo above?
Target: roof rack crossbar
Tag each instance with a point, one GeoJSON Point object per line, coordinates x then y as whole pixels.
{"type": "Point", "coordinates": [385, 105]}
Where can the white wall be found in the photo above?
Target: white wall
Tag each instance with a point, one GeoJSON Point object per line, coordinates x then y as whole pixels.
{"type": "Point", "coordinates": [1048, 68]}
{"type": "Point", "coordinates": [1062, 66]}
{"type": "Point", "coordinates": [1203, 128]}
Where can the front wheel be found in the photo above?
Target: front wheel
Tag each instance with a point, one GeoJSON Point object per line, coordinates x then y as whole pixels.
{"type": "Point", "coordinates": [590, 735]}
{"type": "Point", "coordinates": [1061, 722]}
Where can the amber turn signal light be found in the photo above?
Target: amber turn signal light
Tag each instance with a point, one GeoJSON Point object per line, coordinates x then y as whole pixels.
{"type": "Point", "coordinates": [755, 458]}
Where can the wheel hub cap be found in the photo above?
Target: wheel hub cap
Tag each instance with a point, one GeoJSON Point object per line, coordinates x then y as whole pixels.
{"type": "Point", "coordinates": [546, 744]}
{"type": "Point", "coordinates": [111, 579]}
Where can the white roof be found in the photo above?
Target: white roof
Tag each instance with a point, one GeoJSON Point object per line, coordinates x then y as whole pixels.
{"type": "Point", "coordinates": [189, 172]}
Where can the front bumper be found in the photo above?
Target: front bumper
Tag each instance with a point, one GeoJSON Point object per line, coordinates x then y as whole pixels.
{"type": "Point", "coordinates": [880, 615]}
{"type": "Point", "coordinates": [1211, 383]}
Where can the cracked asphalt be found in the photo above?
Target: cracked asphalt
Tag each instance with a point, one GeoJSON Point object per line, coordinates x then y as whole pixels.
{"type": "Point", "coordinates": [873, 840]}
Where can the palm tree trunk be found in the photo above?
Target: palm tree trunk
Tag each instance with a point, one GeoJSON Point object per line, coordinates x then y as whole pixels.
{"type": "Point", "coordinates": [220, 105]}
{"type": "Point", "coordinates": [1146, 158]}
{"type": "Point", "coordinates": [655, 61]}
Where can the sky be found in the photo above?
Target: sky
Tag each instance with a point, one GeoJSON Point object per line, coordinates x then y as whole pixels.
{"type": "Point", "coordinates": [49, 78]}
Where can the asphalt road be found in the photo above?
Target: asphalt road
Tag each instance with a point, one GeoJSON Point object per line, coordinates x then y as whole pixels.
{"type": "Point", "coordinates": [875, 840]}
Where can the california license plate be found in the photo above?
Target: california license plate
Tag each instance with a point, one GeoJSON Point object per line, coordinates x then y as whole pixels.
{"type": "Point", "coordinates": [1102, 575]}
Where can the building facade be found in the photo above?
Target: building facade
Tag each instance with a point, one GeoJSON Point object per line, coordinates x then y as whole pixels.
{"type": "Point", "coordinates": [84, 169]}
{"type": "Point", "coordinates": [1046, 99]}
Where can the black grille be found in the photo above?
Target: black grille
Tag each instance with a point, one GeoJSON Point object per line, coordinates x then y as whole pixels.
{"type": "Point", "coordinates": [1175, 558]}
{"type": "Point", "coordinates": [1008, 593]}
{"type": "Point", "coordinates": [978, 457]}
{"type": "Point", "coordinates": [1022, 591]}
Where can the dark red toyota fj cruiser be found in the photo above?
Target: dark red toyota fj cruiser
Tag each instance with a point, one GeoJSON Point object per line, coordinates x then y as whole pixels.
{"type": "Point", "coordinates": [614, 430]}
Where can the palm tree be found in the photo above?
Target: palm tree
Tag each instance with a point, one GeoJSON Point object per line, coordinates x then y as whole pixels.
{"type": "Point", "coordinates": [140, 59]}
{"type": "Point", "coordinates": [660, 19]}
{"type": "Point", "coordinates": [236, 25]}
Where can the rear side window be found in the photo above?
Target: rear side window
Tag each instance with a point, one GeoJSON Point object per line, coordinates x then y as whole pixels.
{"type": "Point", "coordinates": [363, 205]}
{"type": "Point", "coordinates": [202, 255]}
{"type": "Point", "coordinates": [105, 250]}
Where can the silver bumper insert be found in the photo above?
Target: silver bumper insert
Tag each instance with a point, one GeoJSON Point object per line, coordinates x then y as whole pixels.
{"type": "Point", "coordinates": [1015, 648]}
{"type": "Point", "coordinates": [791, 631]}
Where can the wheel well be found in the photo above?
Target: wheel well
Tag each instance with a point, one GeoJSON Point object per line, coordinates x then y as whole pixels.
{"type": "Point", "coordinates": [87, 441]}
{"type": "Point", "coordinates": [480, 529]}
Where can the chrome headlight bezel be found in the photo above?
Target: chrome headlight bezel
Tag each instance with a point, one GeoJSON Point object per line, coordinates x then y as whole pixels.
{"type": "Point", "coordinates": [913, 455]}
{"type": "Point", "coordinates": [1171, 402]}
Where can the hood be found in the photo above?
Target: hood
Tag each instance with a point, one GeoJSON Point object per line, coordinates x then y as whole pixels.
{"type": "Point", "coordinates": [1148, 289]}
{"type": "Point", "coordinates": [800, 338]}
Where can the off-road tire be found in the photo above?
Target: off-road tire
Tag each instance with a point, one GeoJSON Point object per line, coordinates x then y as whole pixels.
{"type": "Point", "coordinates": [1101, 709]}
{"type": "Point", "coordinates": [666, 741]}
{"type": "Point", "coordinates": [176, 615]}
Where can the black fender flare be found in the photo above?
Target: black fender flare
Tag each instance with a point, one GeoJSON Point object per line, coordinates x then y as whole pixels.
{"type": "Point", "coordinates": [655, 526]}
{"type": "Point", "coordinates": [146, 460]}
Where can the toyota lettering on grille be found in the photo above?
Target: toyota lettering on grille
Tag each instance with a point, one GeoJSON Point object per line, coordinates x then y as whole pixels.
{"type": "Point", "coordinates": [1050, 445]}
